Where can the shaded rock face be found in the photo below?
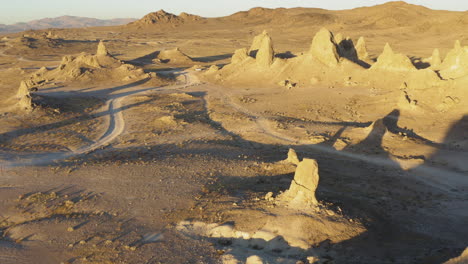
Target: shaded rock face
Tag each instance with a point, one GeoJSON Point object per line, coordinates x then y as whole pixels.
{"type": "Point", "coordinates": [346, 49]}
{"type": "Point", "coordinates": [324, 48]}
{"type": "Point", "coordinates": [301, 193]}
{"type": "Point", "coordinates": [391, 61]}
{"type": "Point", "coordinates": [266, 53]}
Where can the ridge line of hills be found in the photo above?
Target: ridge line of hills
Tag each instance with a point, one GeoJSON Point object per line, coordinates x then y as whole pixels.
{"type": "Point", "coordinates": [387, 15]}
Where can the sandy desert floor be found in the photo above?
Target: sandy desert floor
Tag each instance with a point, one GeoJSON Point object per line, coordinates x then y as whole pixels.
{"type": "Point", "coordinates": [143, 158]}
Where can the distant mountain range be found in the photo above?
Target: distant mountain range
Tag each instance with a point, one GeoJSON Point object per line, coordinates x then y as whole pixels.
{"type": "Point", "coordinates": [63, 22]}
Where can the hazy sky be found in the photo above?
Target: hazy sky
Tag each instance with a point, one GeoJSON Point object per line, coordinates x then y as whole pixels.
{"type": "Point", "coordinates": [13, 11]}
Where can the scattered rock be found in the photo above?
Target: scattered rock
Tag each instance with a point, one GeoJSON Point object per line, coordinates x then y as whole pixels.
{"type": "Point", "coordinates": [287, 84]}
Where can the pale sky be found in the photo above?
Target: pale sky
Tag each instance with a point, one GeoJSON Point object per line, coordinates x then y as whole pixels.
{"type": "Point", "coordinates": [13, 11]}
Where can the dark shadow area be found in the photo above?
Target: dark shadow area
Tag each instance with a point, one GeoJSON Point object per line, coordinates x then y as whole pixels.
{"type": "Point", "coordinates": [347, 50]}
{"type": "Point", "coordinates": [419, 63]}
{"type": "Point", "coordinates": [285, 55]}
{"type": "Point", "coordinates": [213, 58]}
{"type": "Point", "coordinates": [391, 123]}
{"type": "Point", "coordinates": [253, 53]}
{"type": "Point", "coordinates": [72, 41]}
{"type": "Point", "coordinates": [146, 59]}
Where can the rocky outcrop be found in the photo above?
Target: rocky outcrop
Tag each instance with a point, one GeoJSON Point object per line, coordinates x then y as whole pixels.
{"type": "Point", "coordinates": [162, 17]}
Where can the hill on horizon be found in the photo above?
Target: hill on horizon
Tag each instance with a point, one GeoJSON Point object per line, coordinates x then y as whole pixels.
{"type": "Point", "coordinates": [63, 22]}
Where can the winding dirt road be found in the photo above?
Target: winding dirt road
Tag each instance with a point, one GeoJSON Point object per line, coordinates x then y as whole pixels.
{"type": "Point", "coordinates": [115, 127]}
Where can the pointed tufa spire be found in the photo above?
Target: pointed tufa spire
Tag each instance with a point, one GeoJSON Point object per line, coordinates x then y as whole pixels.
{"type": "Point", "coordinates": [292, 157]}
{"type": "Point", "coordinates": [387, 49]}
{"type": "Point", "coordinates": [455, 64]}
{"type": "Point", "coordinates": [301, 193]}
{"type": "Point", "coordinates": [24, 96]}
{"type": "Point", "coordinates": [338, 38]}
{"type": "Point", "coordinates": [435, 58]}
{"type": "Point", "coordinates": [361, 49]}
{"type": "Point", "coordinates": [102, 50]}
{"type": "Point", "coordinates": [23, 90]}
{"type": "Point", "coordinates": [265, 53]}
{"type": "Point", "coordinates": [391, 61]}
{"type": "Point", "coordinates": [256, 43]}
{"type": "Point", "coordinates": [324, 48]}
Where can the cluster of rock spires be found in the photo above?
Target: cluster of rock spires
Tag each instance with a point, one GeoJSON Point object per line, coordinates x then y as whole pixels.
{"type": "Point", "coordinates": [331, 56]}
{"type": "Point", "coordinates": [84, 67]}
{"type": "Point", "coordinates": [330, 50]}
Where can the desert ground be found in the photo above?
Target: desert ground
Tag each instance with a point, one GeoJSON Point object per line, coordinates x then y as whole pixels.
{"type": "Point", "coordinates": [268, 136]}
